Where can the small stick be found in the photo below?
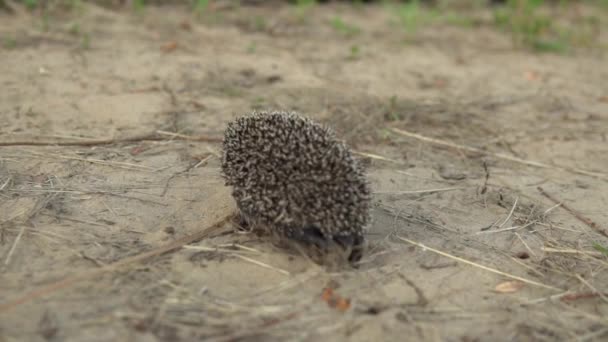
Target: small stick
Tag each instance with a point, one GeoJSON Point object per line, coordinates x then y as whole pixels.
{"type": "Point", "coordinates": [568, 297]}
{"type": "Point", "coordinates": [417, 191]}
{"type": "Point", "coordinates": [505, 229]}
{"type": "Point", "coordinates": [551, 209]}
{"type": "Point", "coordinates": [72, 280]}
{"type": "Point", "coordinates": [510, 213]}
{"type": "Point", "coordinates": [217, 249]}
{"type": "Point", "coordinates": [14, 246]}
{"type": "Point", "coordinates": [582, 280]}
{"type": "Point", "coordinates": [570, 251]}
{"type": "Point", "coordinates": [98, 142]}
{"type": "Point", "coordinates": [486, 268]}
{"type": "Point", "coordinates": [123, 165]}
{"type": "Point", "coordinates": [378, 157]}
{"type": "Point", "coordinates": [202, 161]}
{"type": "Point", "coordinates": [525, 244]}
{"type": "Point", "coordinates": [259, 263]}
{"type": "Point", "coordinates": [498, 155]}
{"type": "Point", "coordinates": [236, 245]}
{"type": "Point", "coordinates": [580, 217]}
{"type": "Point", "coordinates": [14, 216]}
{"type": "Point", "coordinates": [5, 183]}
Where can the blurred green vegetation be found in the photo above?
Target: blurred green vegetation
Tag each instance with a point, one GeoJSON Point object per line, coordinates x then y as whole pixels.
{"type": "Point", "coordinates": [541, 25]}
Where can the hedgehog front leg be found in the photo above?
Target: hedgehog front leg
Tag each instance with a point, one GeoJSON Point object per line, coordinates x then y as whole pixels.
{"type": "Point", "coordinates": [353, 244]}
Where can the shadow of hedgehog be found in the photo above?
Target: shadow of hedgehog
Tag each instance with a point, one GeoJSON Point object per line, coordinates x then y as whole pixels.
{"type": "Point", "coordinates": [292, 177]}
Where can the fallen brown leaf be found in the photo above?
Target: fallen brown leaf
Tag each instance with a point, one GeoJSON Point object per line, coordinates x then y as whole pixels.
{"type": "Point", "coordinates": [334, 300]}
{"type": "Point", "coordinates": [169, 47]}
{"type": "Point", "coordinates": [531, 76]}
{"type": "Point", "coordinates": [327, 294]}
{"type": "Point", "coordinates": [509, 286]}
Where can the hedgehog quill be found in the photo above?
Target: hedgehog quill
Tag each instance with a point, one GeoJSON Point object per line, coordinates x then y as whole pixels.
{"type": "Point", "coordinates": [295, 179]}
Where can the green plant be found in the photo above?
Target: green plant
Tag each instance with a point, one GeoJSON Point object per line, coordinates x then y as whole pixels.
{"type": "Point", "coordinates": [30, 3]}
{"type": "Point", "coordinates": [252, 48]}
{"type": "Point", "coordinates": [529, 26]}
{"type": "Point", "coordinates": [601, 249]}
{"type": "Point", "coordinates": [410, 15]}
{"type": "Point", "coordinates": [139, 5]}
{"type": "Point", "coordinates": [74, 5]}
{"type": "Point", "coordinates": [355, 52]}
{"type": "Point", "coordinates": [339, 25]}
{"type": "Point", "coordinates": [85, 41]}
{"type": "Point", "coordinates": [74, 29]}
{"type": "Point", "coordinates": [201, 6]}
{"type": "Point", "coordinates": [303, 6]}
{"type": "Point", "coordinates": [457, 20]}
{"type": "Point", "coordinates": [391, 112]}
{"type": "Point", "coordinates": [46, 22]}
{"type": "Point", "coordinates": [9, 43]}
{"type": "Point", "coordinates": [259, 23]}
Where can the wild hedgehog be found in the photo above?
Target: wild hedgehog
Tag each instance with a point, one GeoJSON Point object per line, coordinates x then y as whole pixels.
{"type": "Point", "coordinates": [294, 178]}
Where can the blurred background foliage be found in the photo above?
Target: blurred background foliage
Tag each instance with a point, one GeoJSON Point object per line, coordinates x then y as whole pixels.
{"type": "Point", "coordinates": [541, 25]}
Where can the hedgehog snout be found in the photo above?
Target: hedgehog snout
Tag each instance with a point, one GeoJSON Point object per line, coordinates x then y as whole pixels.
{"type": "Point", "coordinates": [313, 237]}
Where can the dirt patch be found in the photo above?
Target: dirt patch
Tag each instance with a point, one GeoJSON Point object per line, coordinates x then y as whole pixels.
{"type": "Point", "coordinates": [457, 127]}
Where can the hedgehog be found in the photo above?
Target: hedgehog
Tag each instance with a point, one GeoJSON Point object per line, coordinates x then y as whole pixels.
{"type": "Point", "coordinates": [295, 179]}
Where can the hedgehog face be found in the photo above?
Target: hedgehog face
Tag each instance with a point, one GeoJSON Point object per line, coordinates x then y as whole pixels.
{"type": "Point", "coordinates": [346, 246]}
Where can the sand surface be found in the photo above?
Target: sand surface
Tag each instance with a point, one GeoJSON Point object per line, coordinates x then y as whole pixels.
{"type": "Point", "coordinates": [459, 128]}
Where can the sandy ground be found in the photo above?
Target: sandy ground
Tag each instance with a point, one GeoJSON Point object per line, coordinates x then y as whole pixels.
{"type": "Point", "coordinates": [464, 246]}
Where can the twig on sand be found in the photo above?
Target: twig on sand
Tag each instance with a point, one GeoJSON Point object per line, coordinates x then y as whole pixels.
{"type": "Point", "coordinates": [157, 136]}
{"type": "Point", "coordinates": [498, 155]}
{"type": "Point", "coordinates": [510, 213]}
{"type": "Point", "coordinates": [14, 246]}
{"type": "Point", "coordinates": [486, 268]}
{"type": "Point", "coordinates": [377, 157]}
{"type": "Point", "coordinates": [586, 283]}
{"type": "Point", "coordinates": [72, 280]}
{"type": "Point", "coordinates": [571, 251]}
{"type": "Point", "coordinates": [523, 242]}
{"type": "Point", "coordinates": [122, 165]}
{"type": "Point", "coordinates": [259, 263]}
{"type": "Point", "coordinates": [574, 213]}
{"type": "Point", "coordinates": [569, 297]}
{"type": "Point", "coordinates": [425, 191]}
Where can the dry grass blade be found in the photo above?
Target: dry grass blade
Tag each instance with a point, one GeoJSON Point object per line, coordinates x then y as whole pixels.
{"type": "Point", "coordinates": [510, 213]}
{"type": "Point", "coordinates": [486, 268]}
{"type": "Point", "coordinates": [497, 155]}
{"type": "Point", "coordinates": [427, 191]}
{"type": "Point", "coordinates": [259, 263]}
{"type": "Point", "coordinates": [377, 157]}
{"type": "Point", "coordinates": [72, 280]}
{"type": "Point", "coordinates": [14, 246]}
{"type": "Point", "coordinates": [506, 229]}
{"type": "Point", "coordinates": [570, 251]}
{"type": "Point", "coordinates": [122, 165]}
{"type": "Point", "coordinates": [14, 216]}
{"type": "Point", "coordinates": [574, 213]}
{"type": "Point", "coordinates": [525, 244]}
{"type": "Point", "coordinates": [591, 287]}
{"type": "Point", "coordinates": [8, 179]}
{"type": "Point", "coordinates": [99, 142]}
